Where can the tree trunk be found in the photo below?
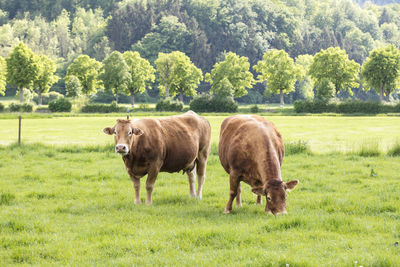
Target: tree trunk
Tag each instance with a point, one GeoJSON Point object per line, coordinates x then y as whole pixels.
{"type": "Point", "coordinates": [167, 91]}
{"type": "Point", "coordinates": [381, 94]}
{"type": "Point", "coordinates": [116, 99]}
{"type": "Point", "coordinates": [181, 95]}
{"type": "Point", "coordinates": [39, 98]}
{"type": "Point", "coordinates": [21, 95]}
{"type": "Point", "coordinates": [132, 100]}
{"type": "Point", "coordinates": [281, 94]}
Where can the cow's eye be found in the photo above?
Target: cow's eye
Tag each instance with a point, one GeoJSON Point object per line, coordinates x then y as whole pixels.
{"type": "Point", "coordinates": [130, 133]}
{"type": "Point", "coordinates": [269, 198]}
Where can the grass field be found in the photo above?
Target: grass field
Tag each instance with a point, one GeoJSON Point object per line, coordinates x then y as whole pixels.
{"type": "Point", "coordinates": [322, 133]}
{"type": "Point", "coordinates": [68, 201]}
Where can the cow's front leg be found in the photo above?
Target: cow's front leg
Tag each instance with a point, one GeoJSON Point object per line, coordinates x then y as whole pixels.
{"type": "Point", "coordinates": [151, 179]}
{"type": "Point", "coordinates": [136, 185]}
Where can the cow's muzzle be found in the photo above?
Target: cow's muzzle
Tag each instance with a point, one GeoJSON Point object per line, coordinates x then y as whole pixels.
{"type": "Point", "coordinates": [121, 149]}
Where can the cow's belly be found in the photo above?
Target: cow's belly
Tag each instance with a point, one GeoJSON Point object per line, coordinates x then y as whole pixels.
{"type": "Point", "coordinates": [178, 161]}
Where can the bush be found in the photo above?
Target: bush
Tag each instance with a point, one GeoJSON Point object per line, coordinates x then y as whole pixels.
{"type": "Point", "coordinates": [48, 97]}
{"type": "Point", "coordinates": [366, 107]}
{"type": "Point", "coordinates": [26, 107]}
{"type": "Point", "coordinates": [168, 104]}
{"type": "Point", "coordinates": [360, 107]}
{"type": "Point", "coordinates": [213, 103]}
{"type": "Point", "coordinates": [254, 109]}
{"type": "Point", "coordinates": [313, 106]}
{"type": "Point", "coordinates": [1, 107]}
{"type": "Point", "coordinates": [16, 107]}
{"type": "Point", "coordinates": [60, 105]}
{"type": "Point", "coordinates": [108, 97]}
{"type": "Point", "coordinates": [102, 108]}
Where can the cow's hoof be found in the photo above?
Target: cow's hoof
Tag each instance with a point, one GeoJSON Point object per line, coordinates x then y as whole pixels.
{"type": "Point", "coordinates": [227, 211]}
{"type": "Point", "coordinates": [138, 202]}
{"type": "Point", "coordinates": [239, 205]}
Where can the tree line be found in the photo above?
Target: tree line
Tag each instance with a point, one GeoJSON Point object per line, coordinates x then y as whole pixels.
{"type": "Point", "coordinates": [329, 71]}
{"type": "Point", "coordinates": [203, 30]}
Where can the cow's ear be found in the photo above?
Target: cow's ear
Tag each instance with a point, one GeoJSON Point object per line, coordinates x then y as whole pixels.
{"type": "Point", "coordinates": [137, 131]}
{"type": "Point", "coordinates": [259, 190]}
{"type": "Point", "coordinates": [108, 130]}
{"type": "Point", "coordinates": [291, 185]}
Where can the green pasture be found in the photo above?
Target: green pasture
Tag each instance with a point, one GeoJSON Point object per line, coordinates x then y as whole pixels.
{"type": "Point", "coordinates": [66, 199]}
{"type": "Point", "coordinates": [321, 133]}
{"type": "Point", "coordinates": [73, 205]}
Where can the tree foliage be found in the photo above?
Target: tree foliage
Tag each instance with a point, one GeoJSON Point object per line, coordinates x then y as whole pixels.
{"type": "Point", "coordinates": [233, 72]}
{"type": "Point", "coordinates": [3, 75]}
{"type": "Point", "coordinates": [381, 71]}
{"type": "Point", "coordinates": [333, 64]}
{"type": "Point", "coordinates": [177, 74]}
{"type": "Point", "coordinates": [115, 74]}
{"type": "Point", "coordinates": [141, 74]}
{"type": "Point", "coordinates": [86, 69]}
{"type": "Point", "coordinates": [22, 68]}
{"type": "Point", "coordinates": [279, 72]}
{"type": "Point", "coordinates": [46, 77]}
{"type": "Point", "coordinates": [73, 86]}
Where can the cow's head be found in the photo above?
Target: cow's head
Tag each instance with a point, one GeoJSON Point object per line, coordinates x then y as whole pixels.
{"type": "Point", "coordinates": [124, 133]}
{"type": "Point", "coordinates": [275, 192]}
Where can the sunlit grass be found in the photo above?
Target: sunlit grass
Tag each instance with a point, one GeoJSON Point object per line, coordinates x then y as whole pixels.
{"type": "Point", "coordinates": [73, 205]}
{"type": "Point", "coordinates": [322, 134]}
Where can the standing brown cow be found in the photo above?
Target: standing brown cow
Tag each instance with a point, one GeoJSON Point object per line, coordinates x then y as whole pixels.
{"type": "Point", "coordinates": [173, 144]}
{"type": "Point", "coordinates": [251, 150]}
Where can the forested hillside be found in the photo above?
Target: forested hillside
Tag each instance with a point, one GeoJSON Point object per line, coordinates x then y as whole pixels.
{"type": "Point", "coordinates": [203, 29]}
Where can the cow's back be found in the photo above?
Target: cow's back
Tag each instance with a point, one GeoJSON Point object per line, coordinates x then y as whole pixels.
{"type": "Point", "coordinates": [250, 146]}
{"type": "Point", "coordinates": [175, 140]}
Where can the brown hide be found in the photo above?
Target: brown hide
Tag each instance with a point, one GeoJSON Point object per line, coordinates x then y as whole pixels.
{"type": "Point", "coordinates": [169, 144]}
{"type": "Point", "coordinates": [251, 150]}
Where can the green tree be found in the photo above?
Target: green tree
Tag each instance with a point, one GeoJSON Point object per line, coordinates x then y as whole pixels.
{"type": "Point", "coordinates": [115, 74]}
{"type": "Point", "coordinates": [73, 86]}
{"type": "Point", "coordinates": [141, 72]}
{"type": "Point", "coordinates": [334, 65]}
{"type": "Point", "coordinates": [381, 70]}
{"type": "Point", "coordinates": [325, 90]}
{"type": "Point", "coordinates": [46, 77]}
{"type": "Point", "coordinates": [86, 69]}
{"type": "Point", "coordinates": [279, 71]}
{"type": "Point", "coordinates": [3, 75]}
{"type": "Point", "coordinates": [305, 86]}
{"type": "Point", "coordinates": [177, 74]}
{"type": "Point", "coordinates": [233, 69]}
{"type": "Point", "coordinates": [22, 68]}
{"type": "Point", "coordinates": [169, 35]}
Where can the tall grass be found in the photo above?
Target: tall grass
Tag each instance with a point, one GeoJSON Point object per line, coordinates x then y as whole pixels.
{"type": "Point", "coordinates": [394, 151]}
{"type": "Point", "coordinates": [369, 148]}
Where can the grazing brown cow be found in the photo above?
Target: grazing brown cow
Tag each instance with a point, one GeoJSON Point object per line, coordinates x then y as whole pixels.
{"type": "Point", "coordinates": [251, 150]}
{"type": "Point", "coordinates": [173, 144]}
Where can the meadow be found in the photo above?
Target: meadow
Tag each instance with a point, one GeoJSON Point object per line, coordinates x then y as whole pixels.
{"type": "Point", "coordinates": [65, 199]}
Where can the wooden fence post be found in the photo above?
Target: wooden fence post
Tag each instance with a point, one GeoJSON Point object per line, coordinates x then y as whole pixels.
{"type": "Point", "coordinates": [19, 130]}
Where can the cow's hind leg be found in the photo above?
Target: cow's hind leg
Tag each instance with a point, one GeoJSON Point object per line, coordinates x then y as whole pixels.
{"type": "Point", "coordinates": [192, 184]}
{"type": "Point", "coordinates": [234, 184]}
{"type": "Point", "coordinates": [239, 197]}
{"type": "Point", "coordinates": [151, 179]}
{"type": "Point", "coordinates": [201, 171]}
